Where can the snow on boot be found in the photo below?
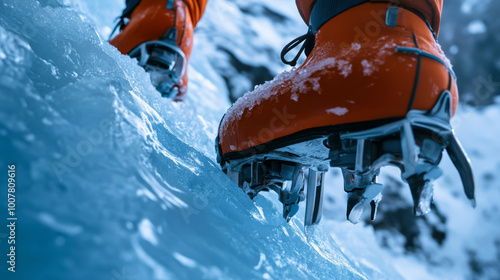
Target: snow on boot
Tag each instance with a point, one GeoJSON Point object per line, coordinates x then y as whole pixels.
{"type": "Point", "coordinates": [159, 33]}
{"type": "Point", "coordinates": [375, 90]}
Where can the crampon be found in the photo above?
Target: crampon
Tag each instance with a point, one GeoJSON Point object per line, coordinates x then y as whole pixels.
{"type": "Point", "coordinates": [295, 169]}
{"type": "Point", "coordinates": [164, 61]}
{"type": "Point", "coordinates": [159, 34]}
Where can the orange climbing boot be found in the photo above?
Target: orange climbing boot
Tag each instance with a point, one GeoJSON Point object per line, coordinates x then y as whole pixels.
{"type": "Point", "coordinates": [375, 90]}
{"type": "Point", "coordinates": [159, 34]}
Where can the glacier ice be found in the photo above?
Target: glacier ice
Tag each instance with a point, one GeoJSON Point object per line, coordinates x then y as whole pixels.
{"type": "Point", "coordinates": [116, 182]}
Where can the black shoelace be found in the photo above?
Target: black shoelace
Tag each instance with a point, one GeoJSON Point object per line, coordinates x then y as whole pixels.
{"type": "Point", "coordinates": [119, 25]}
{"type": "Point", "coordinates": [307, 47]}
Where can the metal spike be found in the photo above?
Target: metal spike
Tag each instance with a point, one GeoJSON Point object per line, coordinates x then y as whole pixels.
{"type": "Point", "coordinates": [409, 149]}
{"type": "Point", "coordinates": [462, 163]}
{"type": "Point", "coordinates": [422, 192]}
{"type": "Point", "coordinates": [360, 153]}
{"type": "Point", "coordinates": [314, 200]}
{"type": "Point", "coordinates": [355, 205]}
{"type": "Point", "coordinates": [298, 180]}
{"type": "Point", "coordinates": [374, 206]}
{"type": "Point", "coordinates": [289, 210]}
{"type": "Point", "coordinates": [357, 199]}
{"type": "Point", "coordinates": [291, 195]}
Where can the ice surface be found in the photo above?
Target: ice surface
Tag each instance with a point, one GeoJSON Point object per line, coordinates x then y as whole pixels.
{"type": "Point", "coordinates": [116, 182]}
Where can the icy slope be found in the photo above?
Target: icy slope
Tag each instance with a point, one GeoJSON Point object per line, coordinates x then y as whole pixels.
{"type": "Point", "coordinates": [115, 182]}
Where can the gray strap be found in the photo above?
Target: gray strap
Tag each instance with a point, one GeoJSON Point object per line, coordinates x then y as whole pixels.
{"type": "Point", "coordinates": [391, 18]}
{"type": "Point", "coordinates": [170, 4]}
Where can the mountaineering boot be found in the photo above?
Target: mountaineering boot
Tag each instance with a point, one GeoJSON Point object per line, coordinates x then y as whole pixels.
{"type": "Point", "coordinates": [159, 33]}
{"type": "Point", "coordinates": [375, 90]}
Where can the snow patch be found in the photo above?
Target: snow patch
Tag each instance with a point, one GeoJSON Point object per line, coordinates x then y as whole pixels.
{"type": "Point", "coordinates": [368, 67]}
{"type": "Point", "coordinates": [339, 111]}
{"type": "Point", "coordinates": [345, 67]}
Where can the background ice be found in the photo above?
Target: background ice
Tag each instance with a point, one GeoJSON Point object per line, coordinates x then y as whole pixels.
{"type": "Point", "coordinates": [116, 182]}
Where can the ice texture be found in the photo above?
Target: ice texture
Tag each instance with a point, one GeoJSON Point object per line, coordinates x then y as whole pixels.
{"type": "Point", "coordinates": [116, 182]}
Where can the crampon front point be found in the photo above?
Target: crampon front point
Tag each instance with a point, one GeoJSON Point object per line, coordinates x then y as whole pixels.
{"type": "Point", "coordinates": [295, 171]}
{"type": "Point", "coordinates": [164, 61]}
